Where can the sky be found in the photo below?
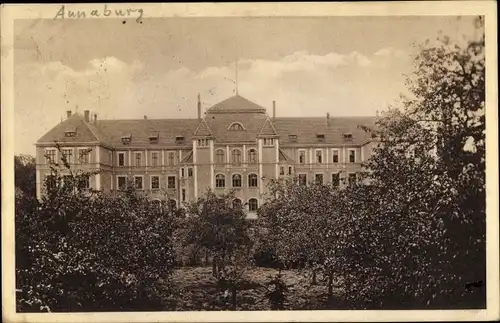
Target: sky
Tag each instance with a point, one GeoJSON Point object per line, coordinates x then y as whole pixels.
{"type": "Point", "coordinates": [346, 66]}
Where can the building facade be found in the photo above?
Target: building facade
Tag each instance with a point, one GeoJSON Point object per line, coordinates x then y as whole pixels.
{"type": "Point", "coordinates": [236, 146]}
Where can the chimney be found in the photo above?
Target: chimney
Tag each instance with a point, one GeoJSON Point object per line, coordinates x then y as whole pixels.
{"type": "Point", "coordinates": [95, 117]}
{"type": "Point", "coordinates": [377, 113]}
{"type": "Point", "coordinates": [87, 115]}
{"type": "Point", "coordinates": [145, 117]}
{"type": "Point", "coordinates": [199, 107]}
{"type": "Point", "coordinates": [328, 119]}
{"type": "Point", "coordinates": [68, 113]}
{"type": "Point", "coordinates": [274, 110]}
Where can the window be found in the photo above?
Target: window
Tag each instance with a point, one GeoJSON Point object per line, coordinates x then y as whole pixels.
{"type": "Point", "coordinates": [268, 142]}
{"type": "Point", "coordinates": [220, 181]}
{"type": "Point", "coordinates": [68, 154]}
{"type": "Point", "coordinates": [352, 178]}
{"type": "Point", "coordinates": [83, 156]}
{"type": "Point", "coordinates": [302, 179]}
{"type": "Point", "coordinates": [347, 135]}
{"type": "Point", "coordinates": [138, 159]}
{"type": "Point", "coordinates": [190, 172]}
{"type": "Point", "coordinates": [252, 156]}
{"type": "Point", "coordinates": [121, 159]}
{"type": "Point", "coordinates": [155, 156]}
{"type": "Point", "coordinates": [138, 182]}
{"type": "Point", "coordinates": [171, 182]}
{"type": "Point", "coordinates": [179, 139]}
{"type": "Point", "coordinates": [182, 173]}
{"type": "Point", "coordinates": [319, 178]}
{"type": "Point", "coordinates": [253, 205]}
{"type": "Point", "coordinates": [153, 137]}
{"type": "Point", "coordinates": [219, 157]}
{"type": "Point", "coordinates": [70, 133]}
{"type": "Point", "coordinates": [183, 195]}
{"type": "Point", "coordinates": [172, 204]}
{"type": "Point", "coordinates": [236, 126]}
{"type": "Point", "coordinates": [50, 182]}
{"type": "Point", "coordinates": [292, 137]}
{"type": "Point", "coordinates": [302, 156]}
{"type": "Point", "coordinates": [84, 182]}
{"type": "Point", "coordinates": [236, 156]}
{"type": "Point", "coordinates": [126, 139]}
{"type": "Point", "coordinates": [236, 180]}
{"type": "Point", "coordinates": [290, 170]}
{"type": "Point", "coordinates": [252, 180]}
{"type": "Point", "coordinates": [335, 179]}
{"type": "Point", "coordinates": [50, 156]}
{"type": "Point", "coordinates": [352, 156]}
{"type": "Point", "coordinates": [202, 142]}
{"type": "Point", "coordinates": [122, 182]}
{"type": "Point", "coordinates": [335, 154]}
{"type": "Point", "coordinates": [319, 156]}
{"type": "Point", "coordinates": [170, 158]}
{"type": "Point", "coordinates": [320, 137]}
{"type": "Point", "coordinates": [155, 182]}
{"type": "Point", "coordinates": [236, 203]}
{"type": "Point", "coordinates": [282, 170]}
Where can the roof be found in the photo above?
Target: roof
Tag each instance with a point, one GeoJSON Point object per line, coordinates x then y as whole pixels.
{"type": "Point", "coordinates": [167, 129]}
{"type": "Point", "coordinates": [236, 104]}
{"type": "Point", "coordinates": [216, 123]}
{"type": "Point", "coordinates": [203, 129]}
{"type": "Point", "coordinates": [188, 159]}
{"type": "Point", "coordinates": [306, 130]}
{"type": "Point", "coordinates": [268, 129]}
{"type": "Point", "coordinates": [85, 132]}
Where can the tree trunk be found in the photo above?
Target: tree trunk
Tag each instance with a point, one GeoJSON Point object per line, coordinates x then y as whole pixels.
{"type": "Point", "coordinates": [330, 284]}
{"type": "Point", "coordinates": [233, 297]}
{"type": "Point", "coordinates": [206, 257]}
{"type": "Point", "coordinates": [314, 282]}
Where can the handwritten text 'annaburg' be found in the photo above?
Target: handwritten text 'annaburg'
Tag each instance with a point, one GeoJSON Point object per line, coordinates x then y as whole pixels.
{"type": "Point", "coordinates": [106, 12]}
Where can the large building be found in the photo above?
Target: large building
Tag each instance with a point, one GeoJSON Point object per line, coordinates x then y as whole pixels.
{"type": "Point", "coordinates": [234, 145]}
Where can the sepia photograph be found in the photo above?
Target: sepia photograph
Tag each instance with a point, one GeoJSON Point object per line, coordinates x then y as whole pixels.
{"type": "Point", "coordinates": [207, 159]}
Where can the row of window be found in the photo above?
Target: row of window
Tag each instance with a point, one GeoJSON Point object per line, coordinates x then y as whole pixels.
{"type": "Point", "coordinates": [220, 180]}
{"type": "Point", "coordinates": [253, 203]}
{"type": "Point", "coordinates": [82, 156]}
{"type": "Point", "coordinates": [336, 179]}
{"type": "Point", "coordinates": [139, 182]}
{"type": "Point", "coordinates": [335, 156]}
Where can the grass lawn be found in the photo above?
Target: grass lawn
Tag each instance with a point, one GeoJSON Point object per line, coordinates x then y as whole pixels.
{"type": "Point", "coordinates": [198, 290]}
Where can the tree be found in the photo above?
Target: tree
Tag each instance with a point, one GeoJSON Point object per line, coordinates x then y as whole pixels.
{"type": "Point", "coordinates": [219, 226]}
{"type": "Point", "coordinates": [25, 174]}
{"type": "Point", "coordinates": [81, 250]}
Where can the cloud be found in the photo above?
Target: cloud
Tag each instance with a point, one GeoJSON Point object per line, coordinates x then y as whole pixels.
{"type": "Point", "coordinates": [391, 52]}
{"type": "Point", "coordinates": [301, 83]}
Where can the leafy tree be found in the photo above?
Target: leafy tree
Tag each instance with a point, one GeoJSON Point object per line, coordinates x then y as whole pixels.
{"type": "Point", "coordinates": [84, 251]}
{"type": "Point", "coordinates": [219, 226]}
{"type": "Point", "coordinates": [25, 175]}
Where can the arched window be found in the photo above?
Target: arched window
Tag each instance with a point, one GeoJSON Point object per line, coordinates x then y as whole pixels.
{"type": "Point", "coordinates": [253, 205]}
{"type": "Point", "coordinates": [236, 203]}
{"type": "Point", "coordinates": [236, 156]}
{"type": "Point", "coordinates": [236, 180]}
{"type": "Point", "coordinates": [252, 180]}
{"type": "Point", "coordinates": [219, 157]}
{"type": "Point", "coordinates": [252, 156]}
{"type": "Point", "coordinates": [236, 126]}
{"type": "Point", "coordinates": [220, 180]}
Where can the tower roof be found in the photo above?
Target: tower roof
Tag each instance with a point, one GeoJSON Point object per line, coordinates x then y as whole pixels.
{"type": "Point", "coordinates": [236, 104]}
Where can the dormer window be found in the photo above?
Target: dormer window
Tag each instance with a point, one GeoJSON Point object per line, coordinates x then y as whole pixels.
{"type": "Point", "coordinates": [320, 137]}
{"type": "Point", "coordinates": [236, 126]}
{"type": "Point", "coordinates": [153, 137]}
{"type": "Point", "coordinates": [126, 139]}
{"type": "Point", "coordinates": [347, 135]}
{"type": "Point", "coordinates": [70, 133]}
{"type": "Point", "coordinates": [179, 139]}
{"type": "Point", "coordinates": [292, 137]}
